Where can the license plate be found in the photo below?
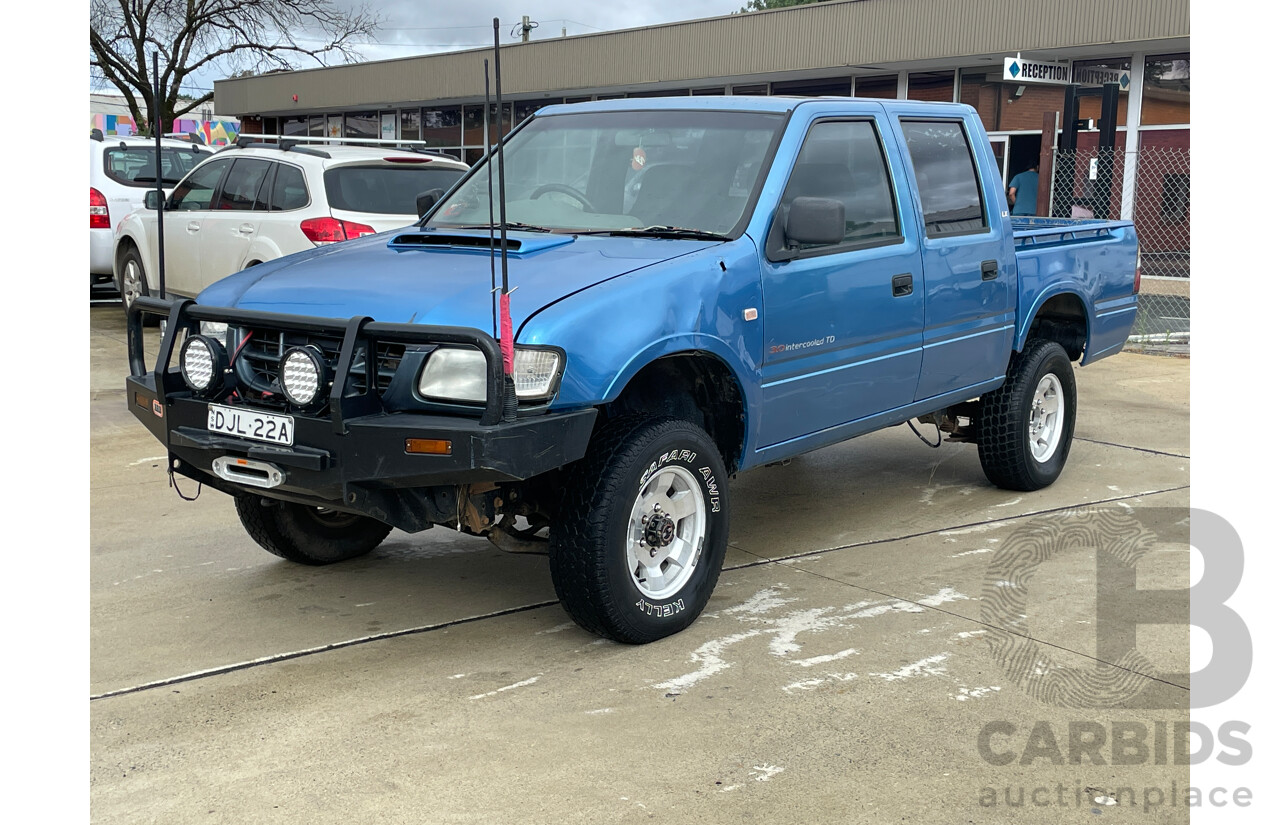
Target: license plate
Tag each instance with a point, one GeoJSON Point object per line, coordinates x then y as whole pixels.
{"type": "Point", "coordinates": [259, 426]}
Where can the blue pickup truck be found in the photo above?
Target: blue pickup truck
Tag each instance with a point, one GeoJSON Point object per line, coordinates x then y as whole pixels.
{"type": "Point", "coordinates": [698, 286]}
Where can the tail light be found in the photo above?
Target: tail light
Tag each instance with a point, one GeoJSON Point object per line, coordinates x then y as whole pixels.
{"type": "Point", "coordinates": [99, 218]}
{"type": "Point", "coordinates": [1137, 272]}
{"type": "Point", "coordinates": [332, 230]}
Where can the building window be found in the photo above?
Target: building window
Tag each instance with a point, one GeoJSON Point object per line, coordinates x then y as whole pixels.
{"type": "Point", "coordinates": [1091, 104]}
{"type": "Point", "coordinates": [410, 124]}
{"type": "Point", "coordinates": [937, 86]}
{"type": "Point", "coordinates": [473, 124]}
{"type": "Point", "coordinates": [1166, 90]}
{"type": "Point", "coordinates": [882, 87]}
{"type": "Point", "coordinates": [363, 125]}
{"type": "Point", "coordinates": [292, 126]}
{"type": "Point", "coordinates": [1175, 197]}
{"type": "Point", "coordinates": [980, 88]}
{"type": "Point", "coordinates": [524, 109]}
{"type": "Point", "coordinates": [661, 93]}
{"type": "Point", "coordinates": [442, 127]}
{"type": "Point", "coordinates": [824, 87]}
{"type": "Point", "coordinates": [710, 90]}
{"type": "Point", "coordinates": [752, 89]}
{"type": "Point", "coordinates": [315, 126]}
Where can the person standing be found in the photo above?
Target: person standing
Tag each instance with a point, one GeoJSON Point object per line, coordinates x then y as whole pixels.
{"type": "Point", "coordinates": [1023, 190]}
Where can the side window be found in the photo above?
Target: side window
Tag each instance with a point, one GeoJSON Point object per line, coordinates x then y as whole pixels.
{"type": "Point", "coordinates": [290, 189]}
{"type": "Point", "coordinates": [196, 191]}
{"type": "Point", "coordinates": [240, 192]}
{"type": "Point", "coordinates": [946, 177]}
{"type": "Point", "coordinates": [844, 161]}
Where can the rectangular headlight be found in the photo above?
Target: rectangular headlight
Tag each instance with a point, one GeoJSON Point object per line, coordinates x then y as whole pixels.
{"type": "Point", "coordinates": [454, 374]}
{"type": "Point", "coordinates": [536, 371]}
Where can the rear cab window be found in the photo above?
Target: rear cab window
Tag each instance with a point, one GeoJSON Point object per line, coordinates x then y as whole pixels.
{"type": "Point", "coordinates": [385, 190]}
{"type": "Point", "coordinates": [946, 176]}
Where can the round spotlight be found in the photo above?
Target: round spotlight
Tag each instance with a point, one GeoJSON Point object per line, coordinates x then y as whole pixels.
{"type": "Point", "coordinates": [302, 374]}
{"type": "Point", "coordinates": [203, 361]}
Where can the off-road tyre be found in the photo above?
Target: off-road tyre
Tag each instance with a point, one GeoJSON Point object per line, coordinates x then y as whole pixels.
{"type": "Point", "coordinates": [308, 535]}
{"type": "Point", "coordinates": [628, 460]}
{"type": "Point", "coordinates": [1006, 435]}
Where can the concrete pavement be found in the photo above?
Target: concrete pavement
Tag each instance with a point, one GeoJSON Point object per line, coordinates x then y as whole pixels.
{"type": "Point", "coordinates": [862, 659]}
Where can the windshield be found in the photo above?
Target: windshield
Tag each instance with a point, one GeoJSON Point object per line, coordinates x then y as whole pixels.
{"type": "Point", "coordinates": [606, 171]}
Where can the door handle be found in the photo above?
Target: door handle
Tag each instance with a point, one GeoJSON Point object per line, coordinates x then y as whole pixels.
{"type": "Point", "coordinates": [246, 229]}
{"type": "Point", "coordinates": [193, 226]}
{"type": "Point", "coordinates": [990, 270]}
{"type": "Point", "coordinates": [902, 285]}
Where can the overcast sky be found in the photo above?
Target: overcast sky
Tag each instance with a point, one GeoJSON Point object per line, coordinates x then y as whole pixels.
{"type": "Point", "coordinates": [413, 27]}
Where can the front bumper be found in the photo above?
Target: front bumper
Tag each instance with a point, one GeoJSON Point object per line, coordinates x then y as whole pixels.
{"type": "Point", "coordinates": [353, 459]}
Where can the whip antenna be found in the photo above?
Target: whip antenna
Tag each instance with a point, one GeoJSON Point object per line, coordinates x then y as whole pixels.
{"type": "Point", "coordinates": [504, 303]}
{"type": "Point", "coordinates": [157, 129]}
{"type": "Point", "coordinates": [493, 277]}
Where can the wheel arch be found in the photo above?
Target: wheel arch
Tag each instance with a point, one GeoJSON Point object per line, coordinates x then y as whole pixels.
{"type": "Point", "coordinates": [1062, 316]}
{"type": "Point", "coordinates": [695, 385]}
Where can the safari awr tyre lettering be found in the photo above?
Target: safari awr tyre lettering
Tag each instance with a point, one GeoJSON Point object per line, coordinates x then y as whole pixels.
{"type": "Point", "coordinates": [643, 531]}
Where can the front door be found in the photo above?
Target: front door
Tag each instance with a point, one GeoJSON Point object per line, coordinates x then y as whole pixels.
{"type": "Point", "coordinates": [842, 322]}
{"type": "Point", "coordinates": [189, 207]}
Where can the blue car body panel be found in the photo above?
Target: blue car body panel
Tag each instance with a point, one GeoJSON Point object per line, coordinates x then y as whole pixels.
{"type": "Point", "coordinates": [831, 353]}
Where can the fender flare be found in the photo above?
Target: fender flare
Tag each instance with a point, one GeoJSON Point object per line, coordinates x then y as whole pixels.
{"type": "Point", "coordinates": [695, 343]}
{"type": "Point", "coordinates": [1048, 293]}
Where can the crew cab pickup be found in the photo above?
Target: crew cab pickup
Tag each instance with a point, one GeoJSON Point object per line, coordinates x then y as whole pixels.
{"type": "Point", "coordinates": [697, 287]}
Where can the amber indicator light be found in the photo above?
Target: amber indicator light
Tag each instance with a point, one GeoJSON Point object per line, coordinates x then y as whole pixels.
{"type": "Point", "coordinates": [428, 446]}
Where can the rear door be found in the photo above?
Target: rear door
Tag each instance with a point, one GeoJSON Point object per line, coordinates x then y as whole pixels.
{"type": "Point", "coordinates": [842, 323]}
{"type": "Point", "coordinates": [233, 222]}
{"type": "Point", "coordinates": [969, 268]}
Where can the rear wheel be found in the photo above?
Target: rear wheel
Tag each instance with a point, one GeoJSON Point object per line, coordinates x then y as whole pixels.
{"type": "Point", "coordinates": [308, 535]}
{"type": "Point", "coordinates": [1025, 427]}
{"type": "Point", "coordinates": [639, 544]}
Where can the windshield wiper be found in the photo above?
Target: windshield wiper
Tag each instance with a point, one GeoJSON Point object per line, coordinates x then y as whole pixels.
{"type": "Point", "coordinates": [663, 232]}
{"type": "Point", "coordinates": [527, 227]}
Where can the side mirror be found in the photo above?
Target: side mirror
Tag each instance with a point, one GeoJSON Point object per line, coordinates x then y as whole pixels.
{"type": "Point", "coordinates": [428, 199]}
{"type": "Point", "coordinates": [151, 200]}
{"type": "Point", "coordinates": [815, 221]}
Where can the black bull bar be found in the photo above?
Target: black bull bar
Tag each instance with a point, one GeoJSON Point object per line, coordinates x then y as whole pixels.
{"type": "Point", "coordinates": [355, 459]}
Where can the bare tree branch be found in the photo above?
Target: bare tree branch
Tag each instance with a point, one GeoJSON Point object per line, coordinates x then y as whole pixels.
{"type": "Point", "coordinates": [230, 35]}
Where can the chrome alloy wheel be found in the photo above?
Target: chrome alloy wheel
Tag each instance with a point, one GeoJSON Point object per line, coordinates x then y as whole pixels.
{"type": "Point", "coordinates": [1045, 426]}
{"type": "Point", "coordinates": [665, 533]}
{"type": "Point", "coordinates": [131, 282]}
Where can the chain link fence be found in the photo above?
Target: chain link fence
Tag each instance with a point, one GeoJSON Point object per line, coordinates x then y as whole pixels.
{"type": "Point", "coordinates": [1090, 183]}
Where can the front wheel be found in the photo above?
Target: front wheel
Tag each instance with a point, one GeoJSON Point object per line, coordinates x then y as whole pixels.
{"type": "Point", "coordinates": [308, 535]}
{"type": "Point", "coordinates": [641, 539]}
{"type": "Point", "coordinates": [133, 282]}
{"type": "Point", "coordinates": [1025, 426]}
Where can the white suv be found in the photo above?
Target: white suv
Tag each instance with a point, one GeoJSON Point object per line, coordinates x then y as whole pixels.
{"type": "Point", "coordinates": [257, 202]}
{"type": "Point", "coordinates": [121, 170]}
